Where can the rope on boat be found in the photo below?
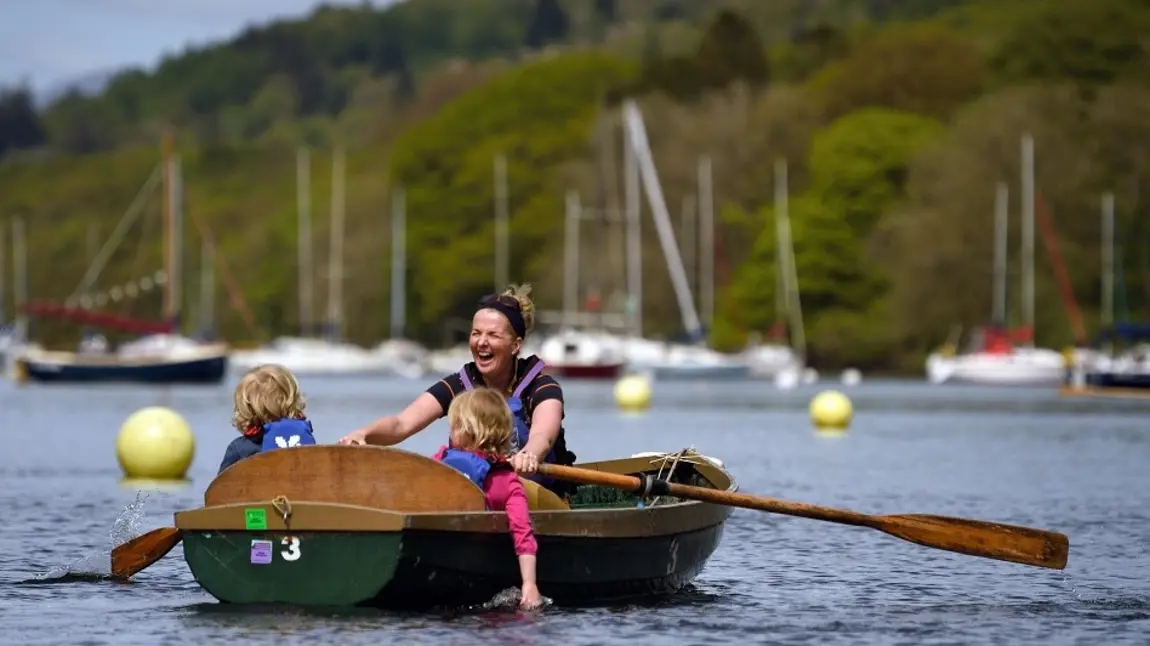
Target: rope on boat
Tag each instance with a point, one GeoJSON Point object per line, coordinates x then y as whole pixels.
{"type": "Point", "coordinates": [688, 455]}
{"type": "Point", "coordinates": [283, 506]}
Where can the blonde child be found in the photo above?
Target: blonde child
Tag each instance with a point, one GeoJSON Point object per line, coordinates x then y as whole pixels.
{"type": "Point", "coordinates": [481, 427]}
{"type": "Point", "coordinates": [268, 414]}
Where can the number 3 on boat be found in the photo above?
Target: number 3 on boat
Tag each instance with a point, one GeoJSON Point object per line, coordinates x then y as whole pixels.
{"type": "Point", "coordinates": [292, 552]}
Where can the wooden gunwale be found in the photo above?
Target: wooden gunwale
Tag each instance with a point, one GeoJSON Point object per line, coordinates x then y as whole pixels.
{"type": "Point", "coordinates": [319, 512]}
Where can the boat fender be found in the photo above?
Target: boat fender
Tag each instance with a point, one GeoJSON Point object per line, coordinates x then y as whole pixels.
{"type": "Point", "coordinates": [287, 433]}
{"type": "Point", "coordinates": [649, 486]}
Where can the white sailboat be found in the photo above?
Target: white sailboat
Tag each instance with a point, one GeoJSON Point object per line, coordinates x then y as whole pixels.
{"type": "Point", "coordinates": [402, 356]}
{"type": "Point", "coordinates": [785, 364]}
{"type": "Point", "coordinates": [305, 354]}
{"type": "Point", "coordinates": [668, 360]}
{"type": "Point", "coordinates": [995, 358]}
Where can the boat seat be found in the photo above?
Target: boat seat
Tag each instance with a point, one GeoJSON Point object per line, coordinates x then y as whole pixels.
{"type": "Point", "coordinates": [540, 498]}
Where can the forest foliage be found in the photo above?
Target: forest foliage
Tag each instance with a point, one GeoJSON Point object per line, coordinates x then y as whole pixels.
{"type": "Point", "coordinates": [896, 121]}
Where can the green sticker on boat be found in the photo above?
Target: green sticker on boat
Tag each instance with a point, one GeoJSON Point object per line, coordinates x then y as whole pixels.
{"type": "Point", "coordinates": [255, 519]}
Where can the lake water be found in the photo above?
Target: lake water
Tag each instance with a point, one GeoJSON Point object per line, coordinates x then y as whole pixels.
{"type": "Point", "coordinates": [1017, 456]}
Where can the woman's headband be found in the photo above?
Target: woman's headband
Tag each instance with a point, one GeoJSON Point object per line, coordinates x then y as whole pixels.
{"type": "Point", "coordinates": [507, 306]}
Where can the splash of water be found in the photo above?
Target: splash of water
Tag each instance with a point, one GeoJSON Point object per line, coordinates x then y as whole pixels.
{"type": "Point", "coordinates": [509, 599]}
{"type": "Point", "coordinates": [127, 524]}
{"type": "Point", "coordinates": [97, 564]}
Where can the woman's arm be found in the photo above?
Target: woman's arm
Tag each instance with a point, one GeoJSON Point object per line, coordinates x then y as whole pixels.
{"type": "Point", "coordinates": [394, 429]}
{"type": "Point", "coordinates": [545, 422]}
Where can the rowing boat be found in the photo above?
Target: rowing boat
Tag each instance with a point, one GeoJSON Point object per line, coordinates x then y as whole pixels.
{"type": "Point", "coordinates": [345, 526]}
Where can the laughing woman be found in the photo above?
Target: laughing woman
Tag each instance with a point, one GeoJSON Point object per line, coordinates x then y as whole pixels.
{"type": "Point", "coordinates": [498, 328]}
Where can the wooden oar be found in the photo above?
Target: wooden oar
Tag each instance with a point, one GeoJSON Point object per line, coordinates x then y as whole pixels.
{"type": "Point", "coordinates": [142, 551]}
{"type": "Point", "coordinates": [974, 537]}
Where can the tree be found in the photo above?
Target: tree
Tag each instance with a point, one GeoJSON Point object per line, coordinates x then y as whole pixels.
{"type": "Point", "coordinates": [537, 115]}
{"type": "Point", "coordinates": [606, 10]}
{"type": "Point", "coordinates": [858, 164]}
{"type": "Point", "coordinates": [1088, 42]}
{"type": "Point", "coordinates": [669, 10]}
{"type": "Point", "coordinates": [808, 51]}
{"type": "Point", "coordinates": [19, 124]}
{"type": "Point", "coordinates": [549, 23]}
{"type": "Point", "coordinates": [730, 51]}
{"type": "Point", "coordinates": [918, 68]}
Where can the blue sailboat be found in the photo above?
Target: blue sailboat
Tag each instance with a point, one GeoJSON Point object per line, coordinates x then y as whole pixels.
{"type": "Point", "coordinates": [159, 356]}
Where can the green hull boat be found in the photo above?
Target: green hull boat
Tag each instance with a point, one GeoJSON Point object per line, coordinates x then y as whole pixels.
{"type": "Point", "coordinates": [348, 526]}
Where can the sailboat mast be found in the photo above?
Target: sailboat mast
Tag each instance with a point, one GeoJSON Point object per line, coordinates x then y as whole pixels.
{"type": "Point", "coordinates": [398, 262]}
{"type": "Point", "coordinates": [571, 259]}
{"type": "Point", "coordinates": [787, 259]}
{"type": "Point", "coordinates": [166, 155]}
{"type": "Point", "coordinates": [782, 290]}
{"type": "Point", "coordinates": [335, 294]}
{"type": "Point", "coordinates": [1107, 259]}
{"type": "Point", "coordinates": [173, 218]}
{"type": "Point", "coordinates": [634, 255]}
{"type": "Point", "coordinates": [1028, 235]}
{"type": "Point", "coordinates": [1001, 204]}
{"type": "Point", "coordinates": [20, 277]}
{"type": "Point", "coordinates": [501, 224]}
{"type": "Point", "coordinates": [303, 206]}
{"type": "Point", "coordinates": [706, 243]}
{"type": "Point", "coordinates": [649, 177]}
{"type": "Point", "coordinates": [689, 241]}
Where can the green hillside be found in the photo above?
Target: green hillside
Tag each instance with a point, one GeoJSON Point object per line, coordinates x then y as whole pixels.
{"type": "Point", "coordinates": [896, 118]}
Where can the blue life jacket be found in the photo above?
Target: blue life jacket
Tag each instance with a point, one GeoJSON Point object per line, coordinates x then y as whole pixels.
{"type": "Point", "coordinates": [522, 423]}
{"type": "Point", "coordinates": [286, 433]}
{"type": "Point", "coordinates": [475, 467]}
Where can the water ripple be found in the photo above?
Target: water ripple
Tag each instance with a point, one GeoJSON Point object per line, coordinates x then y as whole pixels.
{"type": "Point", "coordinates": [1024, 457]}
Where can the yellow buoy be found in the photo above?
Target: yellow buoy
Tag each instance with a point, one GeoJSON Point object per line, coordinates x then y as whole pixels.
{"type": "Point", "coordinates": [155, 443]}
{"type": "Point", "coordinates": [633, 393]}
{"type": "Point", "coordinates": [19, 371]}
{"type": "Point", "coordinates": [831, 410]}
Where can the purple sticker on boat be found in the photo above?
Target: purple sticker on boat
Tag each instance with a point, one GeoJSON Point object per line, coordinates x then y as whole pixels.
{"type": "Point", "coordinates": [261, 552]}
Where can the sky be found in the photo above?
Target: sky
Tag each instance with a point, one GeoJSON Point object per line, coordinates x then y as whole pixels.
{"type": "Point", "coordinates": [48, 43]}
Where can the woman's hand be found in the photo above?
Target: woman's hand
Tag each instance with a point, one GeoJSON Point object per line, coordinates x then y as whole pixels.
{"type": "Point", "coordinates": [355, 438]}
{"type": "Point", "coordinates": [524, 462]}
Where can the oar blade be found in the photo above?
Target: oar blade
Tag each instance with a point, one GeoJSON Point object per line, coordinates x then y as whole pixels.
{"type": "Point", "coordinates": [142, 551]}
{"type": "Point", "coordinates": [1024, 545]}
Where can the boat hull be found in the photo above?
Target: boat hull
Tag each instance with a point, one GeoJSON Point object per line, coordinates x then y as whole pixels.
{"type": "Point", "coordinates": [331, 533]}
{"type": "Point", "coordinates": [201, 370]}
{"type": "Point", "coordinates": [587, 371]}
{"type": "Point", "coordinates": [1033, 368]}
{"type": "Point", "coordinates": [1118, 380]}
{"type": "Point", "coordinates": [426, 569]}
{"type": "Point", "coordinates": [732, 372]}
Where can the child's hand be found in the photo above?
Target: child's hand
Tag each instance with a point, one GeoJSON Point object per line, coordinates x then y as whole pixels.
{"type": "Point", "coordinates": [529, 597]}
